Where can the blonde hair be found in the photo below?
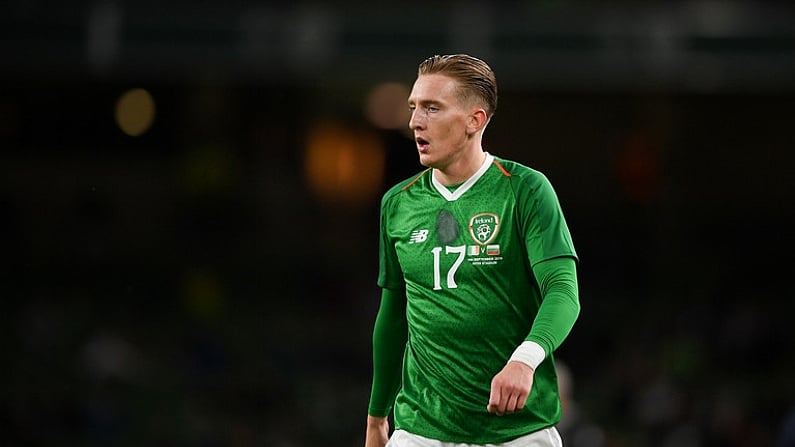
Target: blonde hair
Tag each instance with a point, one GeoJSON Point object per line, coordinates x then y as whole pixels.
{"type": "Point", "coordinates": [475, 78]}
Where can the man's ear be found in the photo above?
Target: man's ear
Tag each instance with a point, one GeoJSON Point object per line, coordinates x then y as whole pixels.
{"type": "Point", "coordinates": [477, 121]}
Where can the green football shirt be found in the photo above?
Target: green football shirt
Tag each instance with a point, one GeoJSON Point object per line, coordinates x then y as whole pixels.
{"type": "Point", "coordinates": [464, 257]}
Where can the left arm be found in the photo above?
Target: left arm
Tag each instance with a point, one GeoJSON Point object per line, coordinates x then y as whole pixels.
{"type": "Point", "coordinates": [560, 307]}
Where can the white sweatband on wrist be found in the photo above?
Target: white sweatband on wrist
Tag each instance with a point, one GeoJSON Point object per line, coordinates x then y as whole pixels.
{"type": "Point", "coordinates": [530, 353]}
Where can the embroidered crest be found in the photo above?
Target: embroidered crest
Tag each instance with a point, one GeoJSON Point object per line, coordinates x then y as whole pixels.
{"type": "Point", "coordinates": [483, 227]}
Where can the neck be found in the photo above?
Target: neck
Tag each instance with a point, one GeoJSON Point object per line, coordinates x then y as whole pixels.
{"type": "Point", "coordinates": [461, 169]}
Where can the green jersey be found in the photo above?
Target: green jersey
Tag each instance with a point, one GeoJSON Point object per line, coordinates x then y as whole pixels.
{"type": "Point", "coordinates": [464, 257]}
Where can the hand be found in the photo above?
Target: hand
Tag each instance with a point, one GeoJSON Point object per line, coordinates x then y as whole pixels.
{"type": "Point", "coordinates": [377, 432]}
{"type": "Point", "coordinates": [510, 388]}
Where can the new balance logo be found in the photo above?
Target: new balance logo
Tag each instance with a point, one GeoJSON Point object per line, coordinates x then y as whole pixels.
{"type": "Point", "coordinates": [418, 236]}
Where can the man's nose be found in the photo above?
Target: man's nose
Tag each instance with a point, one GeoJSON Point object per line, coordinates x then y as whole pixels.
{"type": "Point", "coordinates": [416, 121]}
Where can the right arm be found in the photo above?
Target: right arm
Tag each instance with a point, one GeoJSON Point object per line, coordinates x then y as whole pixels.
{"type": "Point", "coordinates": [390, 334]}
{"type": "Point", "coordinates": [377, 431]}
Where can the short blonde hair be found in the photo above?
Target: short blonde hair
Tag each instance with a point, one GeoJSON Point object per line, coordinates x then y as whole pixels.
{"type": "Point", "coordinates": [475, 78]}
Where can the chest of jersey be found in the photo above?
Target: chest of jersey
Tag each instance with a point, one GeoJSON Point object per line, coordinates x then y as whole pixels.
{"type": "Point", "coordinates": [447, 244]}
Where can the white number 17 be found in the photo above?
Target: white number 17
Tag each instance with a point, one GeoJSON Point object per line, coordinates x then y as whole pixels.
{"type": "Point", "coordinates": [437, 277]}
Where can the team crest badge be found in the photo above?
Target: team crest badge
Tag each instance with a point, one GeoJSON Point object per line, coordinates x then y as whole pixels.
{"type": "Point", "coordinates": [483, 227]}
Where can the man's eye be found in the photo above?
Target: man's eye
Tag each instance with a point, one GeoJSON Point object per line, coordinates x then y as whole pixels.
{"type": "Point", "coordinates": [432, 109]}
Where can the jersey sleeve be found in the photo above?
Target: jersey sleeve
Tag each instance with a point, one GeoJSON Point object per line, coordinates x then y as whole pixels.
{"type": "Point", "coordinates": [546, 234]}
{"type": "Point", "coordinates": [560, 305]}
{"type": "Point", "coordinates": [390, 334]}
{"type": "Point", "coordinates": [390, 274]}
{"type": "Point", "coordinates": [553, 259]}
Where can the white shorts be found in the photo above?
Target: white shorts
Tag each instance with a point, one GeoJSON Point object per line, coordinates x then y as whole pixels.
{"type": "Point", "coordinates": [547, 437]}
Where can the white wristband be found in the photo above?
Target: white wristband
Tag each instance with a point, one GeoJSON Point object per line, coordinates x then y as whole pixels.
{"type": "Point", "coordinates": [529, 353]}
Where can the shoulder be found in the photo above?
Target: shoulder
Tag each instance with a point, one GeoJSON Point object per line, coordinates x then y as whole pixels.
{"type": "Point", "coordinates": [402, 186]}
{"type": "Point", "coordinates": [520, 174]}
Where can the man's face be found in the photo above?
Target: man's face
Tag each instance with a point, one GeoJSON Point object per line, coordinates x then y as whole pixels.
{"type": "Point", "coordinates": [438, 119]}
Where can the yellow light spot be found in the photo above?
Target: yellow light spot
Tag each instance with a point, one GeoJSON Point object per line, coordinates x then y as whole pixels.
{"type": "Point", "coordinates": [344, 164]}
{"type": "Point", "coordinates": [135, 112]}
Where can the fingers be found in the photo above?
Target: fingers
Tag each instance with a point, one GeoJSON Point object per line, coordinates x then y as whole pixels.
{"type": "Point", "coordinates": [511, 405]}
{"type": "Point", "coordinates": [507, 408]}
{"type": "Point", "coordinates": [495, 400]}
{"type": "Point", "coordinates": [509, 392]}
{"type": "Point", "coordinates": [521, 400]}
{"type": "Point", "coordinates": [505, 403]}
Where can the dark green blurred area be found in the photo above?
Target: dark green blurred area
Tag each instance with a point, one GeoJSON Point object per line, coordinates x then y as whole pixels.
{"type": "Point", "coordinates": [187, 287]}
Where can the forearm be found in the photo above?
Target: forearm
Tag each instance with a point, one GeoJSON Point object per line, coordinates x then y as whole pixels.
{"type": "Point", "coordinates": [377, 434]}
{"type": "Point", "coordinates": [390, 333]}
{"type": "Point", "coordinates": [560, 307]}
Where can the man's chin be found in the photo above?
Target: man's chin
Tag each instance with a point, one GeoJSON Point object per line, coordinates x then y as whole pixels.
{"type": "Point", "coordinates": [426, 160]}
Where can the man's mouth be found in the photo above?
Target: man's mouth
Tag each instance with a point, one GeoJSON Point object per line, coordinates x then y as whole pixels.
{"type": "Point", "coordinates": [422, 143]}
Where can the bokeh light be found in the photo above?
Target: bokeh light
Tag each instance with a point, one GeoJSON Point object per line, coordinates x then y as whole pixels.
{"type": "Point", "coordinates": [387, 107]}
{"type": "Point", "coordinates": [343, 164]}
{"type": "Point", "coordinates": [135, 112]}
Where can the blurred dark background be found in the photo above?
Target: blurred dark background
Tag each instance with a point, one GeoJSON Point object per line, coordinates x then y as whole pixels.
{"type": "Point", "coordinates": [189, 197]}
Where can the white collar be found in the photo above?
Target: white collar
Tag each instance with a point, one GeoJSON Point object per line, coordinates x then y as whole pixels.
{"type": "Point", "coordinates": [464, 187]}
